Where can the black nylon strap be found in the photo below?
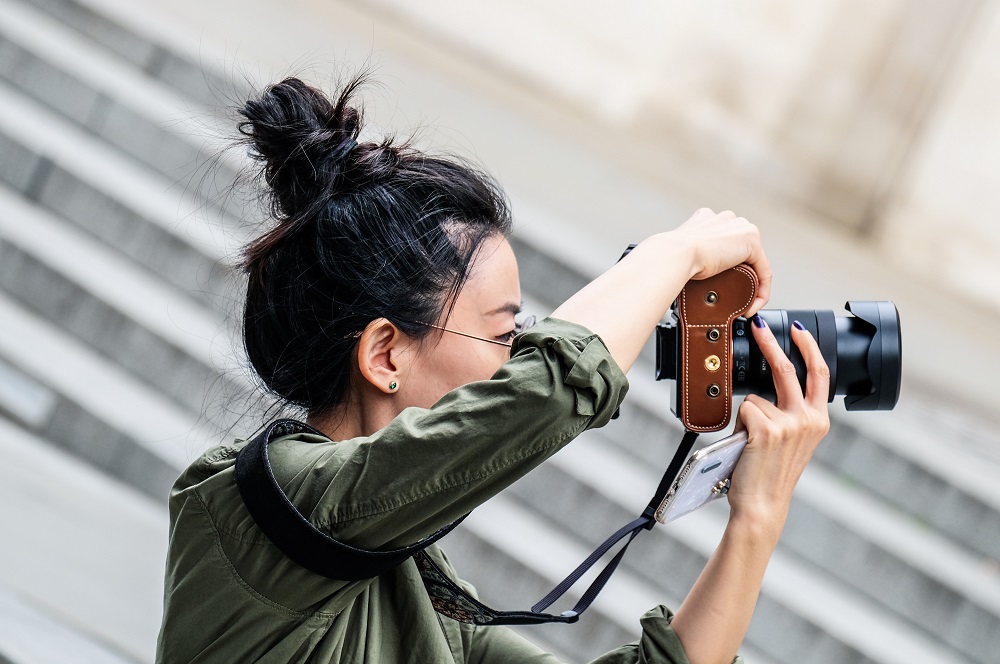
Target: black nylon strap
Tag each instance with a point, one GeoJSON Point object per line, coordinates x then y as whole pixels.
{"type": "Point", "coordinates": [680, 456]}
{"type": "Point", "coordinates": [632, 529]}
{"type": "Point", "coordinates": [291, 532]}
{"type": "Point", "coordinates": [644, 522]}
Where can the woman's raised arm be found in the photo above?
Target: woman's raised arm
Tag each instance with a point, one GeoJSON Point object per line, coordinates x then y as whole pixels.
{"type": "Point", "coordinates": [625, 303]}
{"type": "Point", "coordinates": [715, 615]}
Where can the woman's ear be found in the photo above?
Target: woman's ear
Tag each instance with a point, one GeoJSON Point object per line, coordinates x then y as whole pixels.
{"type": "Point", "coordinates": [380, 356]}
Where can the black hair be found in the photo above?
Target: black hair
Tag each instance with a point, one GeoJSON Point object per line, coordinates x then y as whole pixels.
{"type": "Point", "coordinates": [363, 231]}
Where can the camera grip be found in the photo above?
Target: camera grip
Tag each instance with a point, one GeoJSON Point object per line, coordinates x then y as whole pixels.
{"type": "Point", "coordinates": [705, 312]}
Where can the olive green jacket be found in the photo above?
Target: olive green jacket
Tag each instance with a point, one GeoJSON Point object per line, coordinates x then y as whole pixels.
{"type": "Point", "coordinates": [232, 596]}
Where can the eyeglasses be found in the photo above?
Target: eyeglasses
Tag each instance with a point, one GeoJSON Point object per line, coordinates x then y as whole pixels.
{"type": "Point", "coordinates": [519, 327]}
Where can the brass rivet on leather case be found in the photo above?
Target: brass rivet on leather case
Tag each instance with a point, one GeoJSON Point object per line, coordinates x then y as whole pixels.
{"type": "Point", "coordinates": [714, 390]}
{"type": "Point", "coordinates": [711, 297]}
{"type": "Point", "coordinates": [713, 334]}
{"type": "Point", "coordinates": [712, 363]}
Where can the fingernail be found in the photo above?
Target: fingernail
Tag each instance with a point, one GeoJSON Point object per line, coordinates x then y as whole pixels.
{"type": "Point", "coordinates": [798, 325]}
{"type": "Point", "coordinates": [758, 321]}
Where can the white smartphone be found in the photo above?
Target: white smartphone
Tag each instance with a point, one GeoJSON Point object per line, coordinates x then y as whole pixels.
{"type": "Point", "coordinates": [704, 478]}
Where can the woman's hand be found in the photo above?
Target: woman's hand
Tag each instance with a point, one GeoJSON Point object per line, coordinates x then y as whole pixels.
{"type": "Point", "coordinates": [717, 242]}
{"type": "Point", "coordinates": [783, 436]}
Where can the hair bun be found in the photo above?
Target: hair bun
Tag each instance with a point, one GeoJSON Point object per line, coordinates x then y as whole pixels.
{"type": "Point", "coordinates": [304, 141]}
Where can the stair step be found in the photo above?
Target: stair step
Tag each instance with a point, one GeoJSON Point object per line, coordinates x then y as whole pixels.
{"type": "Point", "coordinates": [30, 636]}
{"type": "Point", "coordinates": [924, 469]}
{"type": "Point", "coordinates": [65, 423]}
{"type": "Point", "coordinates": [103, 414]}
{"type": "Point", "coordinates": [170, 341]}
{"type": "Point", "coordinates": [22, 397]}
{"type": "Point", "coordinates": [85, 583]}
{"type": "Point", "coordinates": [77, 79]}
{"type": "Point", "coordinates": [152, 48]}
{"type": "Point", "coordinates": [81, 179]}
{"type": "Point", "coordinates": [898, 563]}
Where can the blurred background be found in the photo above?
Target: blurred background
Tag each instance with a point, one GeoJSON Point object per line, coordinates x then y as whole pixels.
{"type": "Point", "coordinates": [862, 137]}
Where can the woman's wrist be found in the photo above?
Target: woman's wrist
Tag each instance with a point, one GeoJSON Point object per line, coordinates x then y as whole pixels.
{"type": "Point", "coordinates": [757, 527]}
{"type": "Point", "coordinates": [676, 248]}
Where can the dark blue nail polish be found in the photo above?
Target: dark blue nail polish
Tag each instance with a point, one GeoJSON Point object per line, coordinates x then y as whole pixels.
{"type": "Point", "coordinates": [758, 321]}
{"type": "Point", "coordinates": [798, 325]}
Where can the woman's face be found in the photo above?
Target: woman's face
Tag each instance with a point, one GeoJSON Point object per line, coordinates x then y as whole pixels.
{"type": "Point", "coordinates": [485, 307]}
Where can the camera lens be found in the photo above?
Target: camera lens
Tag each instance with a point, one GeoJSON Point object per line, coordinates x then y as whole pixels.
{"type": "Point", "coordinates": [863, 352]}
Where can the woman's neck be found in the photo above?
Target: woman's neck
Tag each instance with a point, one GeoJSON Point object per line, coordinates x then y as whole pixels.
{"type": "Point", "coordinates": [355, 418]}
{"type": "Point", "coordinates": [338, 424]}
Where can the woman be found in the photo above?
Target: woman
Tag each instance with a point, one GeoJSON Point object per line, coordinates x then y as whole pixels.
{"type": "Point", "coordinates": [383, 304]}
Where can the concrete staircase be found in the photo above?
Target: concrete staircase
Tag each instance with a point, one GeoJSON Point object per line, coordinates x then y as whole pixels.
{"type": "Point", "coordinates": [117, 361]}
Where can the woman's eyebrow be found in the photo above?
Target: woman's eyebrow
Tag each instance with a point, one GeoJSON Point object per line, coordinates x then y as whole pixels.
{"type": "Point", "coordinates": [508, 308]}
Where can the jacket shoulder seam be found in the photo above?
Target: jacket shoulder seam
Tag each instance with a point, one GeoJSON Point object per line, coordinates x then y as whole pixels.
{"type": "Point", "coordinates": [247, 588]}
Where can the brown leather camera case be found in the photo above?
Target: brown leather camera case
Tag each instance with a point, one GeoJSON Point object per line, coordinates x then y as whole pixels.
{"type": "Point", "coordinates": [705, 311]}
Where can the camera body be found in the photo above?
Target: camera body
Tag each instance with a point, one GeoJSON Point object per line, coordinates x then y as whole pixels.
{"type": "Point", "coordinates": [708, 350]}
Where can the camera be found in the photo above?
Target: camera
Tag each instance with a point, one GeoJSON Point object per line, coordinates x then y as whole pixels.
{"type": "Point", "coordinates": [708, 349]}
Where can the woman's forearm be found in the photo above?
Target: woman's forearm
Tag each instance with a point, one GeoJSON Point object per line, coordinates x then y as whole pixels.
{"type": "Point", "coordinates": [624, 304]}
{"type": "Point", "coordinates": [714, 618]}
{"type": "Point", "coordinates": [715, 615]}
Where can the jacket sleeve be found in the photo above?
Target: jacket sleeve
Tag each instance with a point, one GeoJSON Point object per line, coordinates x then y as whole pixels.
{"type": "Point", "coordinates": [429, 467]}
{"type": "Point", "coordinates": [658, 644]}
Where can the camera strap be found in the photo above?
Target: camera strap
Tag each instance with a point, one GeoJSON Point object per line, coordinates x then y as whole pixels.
{"type": "Point", "coordinates": [321, 554]}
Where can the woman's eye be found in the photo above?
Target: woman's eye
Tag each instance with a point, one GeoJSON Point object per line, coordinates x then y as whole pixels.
{"type": "Point", "coordinates": [508, 337]}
